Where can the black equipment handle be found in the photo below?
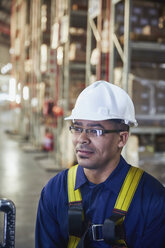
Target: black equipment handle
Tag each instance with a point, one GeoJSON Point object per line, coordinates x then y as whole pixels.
{"type": "Point", "coordinates": [8, 207]}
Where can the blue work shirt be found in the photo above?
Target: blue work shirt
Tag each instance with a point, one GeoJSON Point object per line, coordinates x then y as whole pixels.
{"type": "Point", "coordinates": [144, 223]}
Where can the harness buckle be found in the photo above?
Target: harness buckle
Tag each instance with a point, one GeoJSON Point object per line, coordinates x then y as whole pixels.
{"type": "Point", "coordinates": [97, 232]}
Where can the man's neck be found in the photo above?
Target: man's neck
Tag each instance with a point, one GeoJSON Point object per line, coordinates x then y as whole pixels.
{"type": "Point", "coordinates": [100, 175]}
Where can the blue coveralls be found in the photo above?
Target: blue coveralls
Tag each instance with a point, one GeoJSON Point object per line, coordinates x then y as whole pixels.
{"type": "Point", "coordinates": [144, 222]}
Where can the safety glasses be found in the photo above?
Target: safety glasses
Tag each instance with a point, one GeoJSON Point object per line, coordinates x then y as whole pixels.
{"type": "Point", "coordinates": [91, 132]}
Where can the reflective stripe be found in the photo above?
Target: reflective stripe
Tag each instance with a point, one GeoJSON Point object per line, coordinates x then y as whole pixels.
{"type": "Point", "coordinates": [128, 188]}
{"type": "Point", "coordinates": [73, 241]}
{"type": "Point", "coordinates": [73, 195]}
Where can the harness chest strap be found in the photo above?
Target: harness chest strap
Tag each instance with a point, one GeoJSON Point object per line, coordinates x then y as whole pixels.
{"type": "Point", "coordinates": [122, 203]}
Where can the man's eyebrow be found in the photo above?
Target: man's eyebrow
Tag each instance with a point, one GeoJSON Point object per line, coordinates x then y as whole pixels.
{"type": "Point", "coordinates": [77, 123]}
{"type": "Point", "coordinates": [95, 125]}
{"type": "Point", "coordinates": [89, 124]}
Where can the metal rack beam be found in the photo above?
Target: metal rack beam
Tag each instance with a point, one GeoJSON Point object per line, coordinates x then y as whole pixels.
{"type": "Point", "coordinates": [114, 43]}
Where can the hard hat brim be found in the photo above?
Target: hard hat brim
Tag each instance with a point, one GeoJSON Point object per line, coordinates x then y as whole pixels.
{"type": "Point", "coordinates": [100, 118]}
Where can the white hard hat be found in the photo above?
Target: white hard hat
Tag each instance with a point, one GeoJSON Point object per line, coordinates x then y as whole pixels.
{"type": "Point", "coordinates": [102, 101]}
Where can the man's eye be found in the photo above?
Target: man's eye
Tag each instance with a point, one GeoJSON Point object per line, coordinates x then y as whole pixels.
{"type": "Point", "coordinates": [78, 129]}
{"type": "Point", "coordinates": [94, 131]}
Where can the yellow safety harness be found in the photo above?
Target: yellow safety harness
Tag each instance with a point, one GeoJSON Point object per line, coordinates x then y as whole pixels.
{"type": "Point", "coordinates": [119, 212]}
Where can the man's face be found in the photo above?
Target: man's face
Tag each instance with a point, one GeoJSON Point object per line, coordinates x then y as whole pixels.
{"type": "Point", "coordinates": [94, 152]}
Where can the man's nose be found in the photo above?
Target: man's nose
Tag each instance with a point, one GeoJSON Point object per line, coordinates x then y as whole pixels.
{"type": "Point", "coordinates": [83, 138]}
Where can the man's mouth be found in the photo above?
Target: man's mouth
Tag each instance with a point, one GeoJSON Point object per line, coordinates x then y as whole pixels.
{"type": "Point", "coordinates": [84, 152]}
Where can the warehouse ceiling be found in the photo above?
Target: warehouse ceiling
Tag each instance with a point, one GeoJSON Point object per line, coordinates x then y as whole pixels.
{"type": "Point", "coordinates": [5, 12]}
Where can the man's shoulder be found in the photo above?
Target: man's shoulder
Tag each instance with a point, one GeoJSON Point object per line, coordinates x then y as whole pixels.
{"type": "Point", "coordinates": [54, 193]}
{"type": "Point", "coordinates": [57, 184]}
{"type": "Point", "coordinates": [152, 189]}
{"type": "Point", "coordinates": [58, 179]}
{"type": "Point", "coordinates": [149, 182]}
{"type": "Point", "coordinates": [149, 199]}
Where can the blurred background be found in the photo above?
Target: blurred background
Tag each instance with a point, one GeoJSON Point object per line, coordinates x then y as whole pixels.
{"type": "Point", "coordinates": [49, 51]}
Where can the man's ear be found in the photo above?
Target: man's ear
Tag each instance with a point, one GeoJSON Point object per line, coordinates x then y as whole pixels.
{"type": "Point", "coordinates": [123, 139]}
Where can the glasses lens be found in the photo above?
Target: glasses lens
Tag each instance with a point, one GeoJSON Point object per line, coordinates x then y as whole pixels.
{"type": "Point", "coordinates": [95, 132]}
{"type": "Point", "coordinates": [75, 130]}
{"type": "Point", "coordinates": [89, 132]}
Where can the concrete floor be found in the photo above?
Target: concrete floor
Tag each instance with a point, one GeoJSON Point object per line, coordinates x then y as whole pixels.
{"type": "Point", "coordinates": [22, 177]}
{"type": "Point", "coordinates": [21, 180]}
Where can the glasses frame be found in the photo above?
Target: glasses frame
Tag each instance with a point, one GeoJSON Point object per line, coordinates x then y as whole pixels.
{"type": "Point", "coordinates": [88, 131]}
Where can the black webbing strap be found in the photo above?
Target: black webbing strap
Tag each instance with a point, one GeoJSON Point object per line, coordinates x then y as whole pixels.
{"type": "Point", "coordinates": [76, 223]}
{"type": "Point", "coordinates": [75, 219]}
{"type": "Point", "coordinates": [81, 243]}
{"type": "Point", "coordinates": [113, 231]}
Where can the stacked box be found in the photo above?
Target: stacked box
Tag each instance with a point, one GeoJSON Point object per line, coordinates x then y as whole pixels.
{"type": "Point", "coordinates": [145, 18]}
{"type": "Point", "coordinates": [141, 97]}
{"type": "Point", "coordinates": [160, 143]}
{"type": "Point", "coordinates": [160, 97]}
{"type": "Point", "coordinates": [148, 95]}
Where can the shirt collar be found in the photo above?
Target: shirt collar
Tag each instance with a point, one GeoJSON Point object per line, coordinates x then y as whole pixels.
{"type": "Point", "coordinates": [113, 182]}
{"type": "Point", "coordinates": [80, 177]}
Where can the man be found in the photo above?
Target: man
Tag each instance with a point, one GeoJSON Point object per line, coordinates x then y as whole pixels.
{"type": "Point", "coordinates": [106, 206]}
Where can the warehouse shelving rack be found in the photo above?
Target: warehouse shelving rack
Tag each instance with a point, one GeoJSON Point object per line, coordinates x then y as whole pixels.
{"type": "Point", "coordinates": [131, 49]}
{"type": "Point", "coordinates": [19, 53]}
{"type": "Point", "coordinates": [74, 72]}
{"type": "Point", "coordinates": [97, 31]}
{"type": "Point", "coordinates": [69, 19]}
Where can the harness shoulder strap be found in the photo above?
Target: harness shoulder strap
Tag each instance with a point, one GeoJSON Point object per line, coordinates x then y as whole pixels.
{"type": "Point", "coordinates": [128, 189]}
{"type": "Point", "coordinates": [121, 207]}
{"type": "Point", "coordinates": [73, 195]}
{"type": "Point", "coordinates": [75, 208]}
